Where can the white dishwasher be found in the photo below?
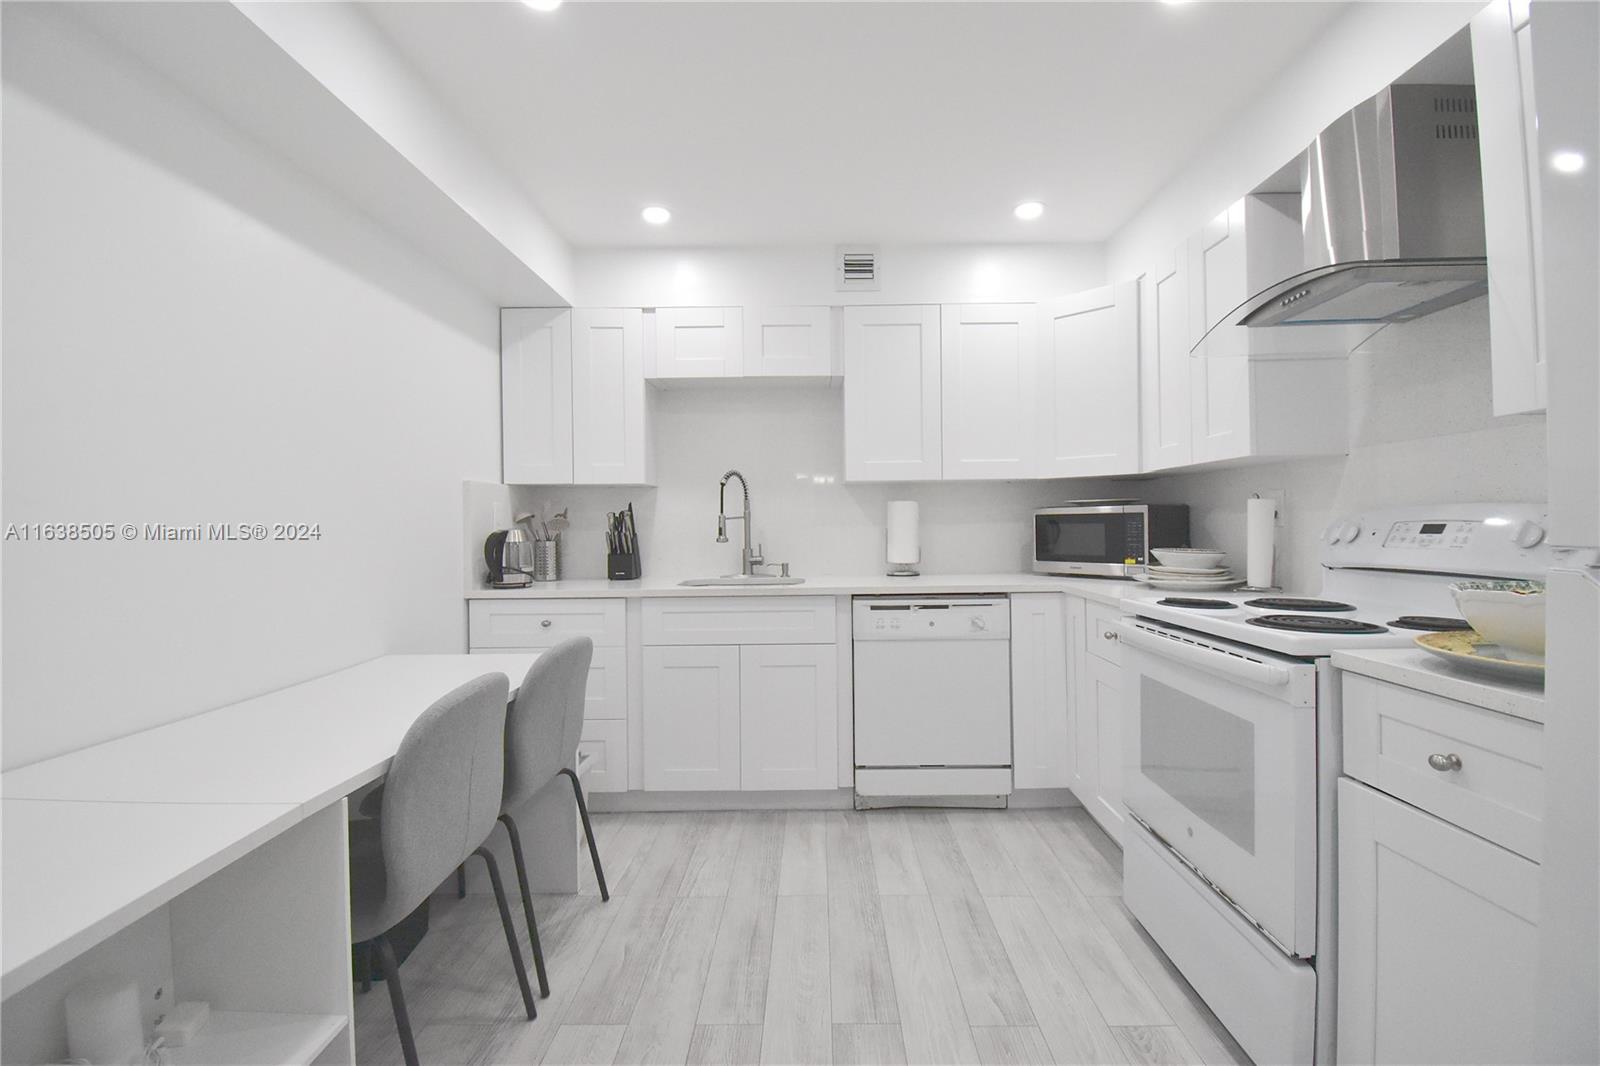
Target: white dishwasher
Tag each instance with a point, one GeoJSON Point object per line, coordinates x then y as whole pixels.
{"type": "Point", "coordinates": [932, 698]}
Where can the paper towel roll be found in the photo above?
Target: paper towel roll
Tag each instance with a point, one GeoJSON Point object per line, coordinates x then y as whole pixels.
{"type": "Point", "coordinates": [1260, 532]}
{"type": "Point", "coordinates": [902, 549]}
{"type": "Point", "coordinates": [104, 1025]}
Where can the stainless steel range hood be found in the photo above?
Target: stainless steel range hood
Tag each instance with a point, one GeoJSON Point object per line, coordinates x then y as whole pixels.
{"type": "Point", "coordinates": [1391, 207]}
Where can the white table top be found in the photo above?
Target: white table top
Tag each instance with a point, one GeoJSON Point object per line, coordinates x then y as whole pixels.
{"type": "Point", "coordinates": [306, 745]}
{"type": "Point", "coordinates": [75, 872]}
{"type": "Point", "coordinates": [1416, 669]}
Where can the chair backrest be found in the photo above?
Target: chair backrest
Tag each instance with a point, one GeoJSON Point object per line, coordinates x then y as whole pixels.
{"type": "Point", "coordinates": [546, 721]}
{"type": "Point", "coordinates": [443, 791]}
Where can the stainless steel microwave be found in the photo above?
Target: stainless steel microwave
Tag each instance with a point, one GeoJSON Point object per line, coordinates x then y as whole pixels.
{"type": "Point", "coordinates": [1105, 538]}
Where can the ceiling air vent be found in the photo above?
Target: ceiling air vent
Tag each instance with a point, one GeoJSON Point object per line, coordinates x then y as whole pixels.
{"type": "Point", "coordinates": [856, 269]}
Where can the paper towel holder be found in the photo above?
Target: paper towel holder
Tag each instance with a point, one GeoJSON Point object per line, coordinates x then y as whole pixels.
{"type": "Point", "coordinates": [1248, 588]}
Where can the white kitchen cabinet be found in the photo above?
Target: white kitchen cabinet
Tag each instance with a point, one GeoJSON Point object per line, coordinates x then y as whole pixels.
{"type": "Point", "coordinates": [536, 395]}
{"type": "Point", "coordinates": [1508, 142]}
{"type": "Point", "coordinates": [610, 416]}
{"type": "Point", "coordinates": [1100, 702]}
{"type": "Point", "coordinates": [691, 718]}
{"type": "Point", "coordinates": [1165, 416]}
{"type": "Point", "coordinates": [988, 378]}
{"type": "Point", "coordinates": [892, 428]}
{"type": "Point", "coordinates": [1438, 939]}
{"type": "Point", "coordinates": [1042, 631]}
{"type": "Point", "coordinates": [1088, 385]}
{"type": "Point", "coordinates": [605, 744]}
{"type": "Point", "coordinates": [698, 342]}
{"type": "Point", "coordinates": [788, 716]}
{"type": "Point", "coordinates": [788, 342]}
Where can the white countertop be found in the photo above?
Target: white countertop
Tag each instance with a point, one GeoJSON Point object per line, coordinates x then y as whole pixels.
{"type": "Point", "coordinates": [1103, 590]}
{"type": "Point", "coordinates": [1417, 669]}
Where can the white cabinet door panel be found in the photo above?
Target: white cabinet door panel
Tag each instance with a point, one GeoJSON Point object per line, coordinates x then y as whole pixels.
{"type": "Point", "coordinates": [691, 718]}
{"type": "Point", "coordinates": [606, 743]}
{"type": "Point", "coordinates": [988, 377]}
{"type": "Point", "coordinates": [1438, 939]}
{"type": "Point", "coordinates": [1103, 702]}
{"type": "Point", "coordinates": [1040, 696]}
{"type": "Point", "coordinates": [699, 342]}
{"type": "Point", "coordinates": [610, 438]}
{"type": "Point", "coordinates": [788, 342]}
{"type": "Point", "coordinates": [1089, 384]}
{"type": "Point", "coordinates": [536, 395]}
{"type": "Point", "coordinates": [788, 703]}
{"type": "Point", "coordinates": [1164, 407]}
{"type": "Point", "coordinates": [891, 394]}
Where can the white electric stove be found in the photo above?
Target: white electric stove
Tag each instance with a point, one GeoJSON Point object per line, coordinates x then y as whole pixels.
{"type": "Point", "coordinates": [1231, 755]}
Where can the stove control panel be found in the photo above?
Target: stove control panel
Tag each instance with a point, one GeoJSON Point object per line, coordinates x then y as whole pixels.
{"type": "Point", "coordinates": [1430, 534]}
{"type": "Point", "coordinates": [1485, 539]}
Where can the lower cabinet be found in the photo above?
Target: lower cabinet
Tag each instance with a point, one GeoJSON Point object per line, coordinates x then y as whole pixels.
{"type": "Point", "coordinates": [605, 744]}
{"type": "Point", "coordinates": [1095, 721]}
{"type": "Point", "coordinates": [726, 717]}
{"type": "Point", "coordinates": [1046, 628]}
{"type": "Point", "coordinates": [1438, 938]}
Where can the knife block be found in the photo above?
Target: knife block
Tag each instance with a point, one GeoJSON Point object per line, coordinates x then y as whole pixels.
{"type": "Point", "coordinates": [622, 567]}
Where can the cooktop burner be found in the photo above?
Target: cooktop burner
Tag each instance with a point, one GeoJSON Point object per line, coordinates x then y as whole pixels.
{"type": "Point", "coordinates": [1196, 604]}
{"type": "Point", "coordinates": [1296, 603]}
{"type": "Point", "coordinates": [1431, 623]}
{"type": "Point", "coordinates": [1310, 623]}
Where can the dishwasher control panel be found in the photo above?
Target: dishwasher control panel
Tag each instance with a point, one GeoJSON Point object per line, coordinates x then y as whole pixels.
{"type": "Point", "coordinates": [931, 618]}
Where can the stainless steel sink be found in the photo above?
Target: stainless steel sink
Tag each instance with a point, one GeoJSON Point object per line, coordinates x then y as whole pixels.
{"type": "Point", "coordinates": [741, 580]}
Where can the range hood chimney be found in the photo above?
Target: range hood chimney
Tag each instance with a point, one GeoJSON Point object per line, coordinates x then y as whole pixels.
{"type": "Point", "coordinates": [1391, 209]}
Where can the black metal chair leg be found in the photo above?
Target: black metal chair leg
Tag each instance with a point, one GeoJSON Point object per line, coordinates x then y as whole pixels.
{"type": "Point", "coordinates": [391, 977]}
{"type": "Point", "coordinates": [588, 833]}
{"type": "Point", "coordinates": [511, 932]}
{"type": "Point", "coordinates": [461, 881]}
{"type": "Point", "coordinates": [527, 905]}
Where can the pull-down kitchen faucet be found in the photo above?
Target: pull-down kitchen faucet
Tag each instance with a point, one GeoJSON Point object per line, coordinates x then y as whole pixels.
{"type": "Point", "coordinates": [748, 559]}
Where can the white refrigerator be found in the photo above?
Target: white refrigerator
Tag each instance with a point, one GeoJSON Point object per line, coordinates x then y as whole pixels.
{"type": "Point", "coordinates": [1565, 42]}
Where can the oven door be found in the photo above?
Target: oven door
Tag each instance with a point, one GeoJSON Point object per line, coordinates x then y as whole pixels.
{"type": "Point", "coordinates": [1091, 540]}
{"type": "Point", "coordinates": [1220, 762]}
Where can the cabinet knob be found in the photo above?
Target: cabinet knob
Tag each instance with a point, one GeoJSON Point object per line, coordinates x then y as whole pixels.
{"type": "Point", "coordinates": [1445, 763]}
{"type": "Point", "coordinates": [1110, 634]}
{"type": "Point", "coordinates": [545, 624]}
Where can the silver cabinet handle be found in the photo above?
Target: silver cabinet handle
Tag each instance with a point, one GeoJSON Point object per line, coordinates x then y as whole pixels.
{"type": "Point", "coordinates": [545, 624]}
{"type": "Point", "coordinates": [1445, 763]}
{"type": "Point", "coordinates": [1109, 634]}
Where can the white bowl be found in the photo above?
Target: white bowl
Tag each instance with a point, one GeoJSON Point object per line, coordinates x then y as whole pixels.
{"type": "Point", "coordinates": [1190, 558]}
{"type": "Point", "coordinates": [1509, 613]}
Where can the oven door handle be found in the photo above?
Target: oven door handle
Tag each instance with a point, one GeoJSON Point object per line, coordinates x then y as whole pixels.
{"type": "Point", "coordinates": [1212, 660]}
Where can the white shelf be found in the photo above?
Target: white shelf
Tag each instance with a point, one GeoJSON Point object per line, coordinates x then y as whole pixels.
{"type": "Point", "coordinates": [250, 1038]}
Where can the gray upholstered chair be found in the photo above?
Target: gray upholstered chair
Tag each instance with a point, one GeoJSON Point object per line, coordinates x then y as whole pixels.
{"type": "Point", "coordinates": [543, 728]}
{"type": "Point", "coordinates": [438, 808]}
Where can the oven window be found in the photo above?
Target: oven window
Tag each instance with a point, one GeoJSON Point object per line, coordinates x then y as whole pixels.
{"type": "Point", "coordinates": [1201, 756]}
{"type": "Point", "coordinates": [1079, 538]}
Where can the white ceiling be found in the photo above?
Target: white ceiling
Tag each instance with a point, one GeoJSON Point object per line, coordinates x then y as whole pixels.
{"type": "Point", "coordinates": [778, 123]}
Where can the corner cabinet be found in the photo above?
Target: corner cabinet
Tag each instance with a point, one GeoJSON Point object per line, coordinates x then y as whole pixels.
{"type": "Point", "coordinates": [573, 404]}
{"type": "Point", "coordinates": [892, 428]}
{"type": "Point", "coordinates": [1045, 626]}
{"type": "Point", "coordinates": [1088, 384]}
{"type": "Point", "coordinates": [988, 379]}
{"type": "Point", "coordinates": [1508, 141]}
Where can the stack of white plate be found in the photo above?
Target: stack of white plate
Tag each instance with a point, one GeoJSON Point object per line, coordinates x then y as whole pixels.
{"type": "Point", "coordinates": [1189, 570]}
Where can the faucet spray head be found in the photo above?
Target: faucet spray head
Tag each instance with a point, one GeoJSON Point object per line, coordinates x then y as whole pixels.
{"type": "Point", "coordinates": [722, 530]}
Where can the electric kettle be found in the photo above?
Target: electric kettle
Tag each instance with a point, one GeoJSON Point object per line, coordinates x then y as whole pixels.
{"type": "Point", "coordinates": [508, 554]}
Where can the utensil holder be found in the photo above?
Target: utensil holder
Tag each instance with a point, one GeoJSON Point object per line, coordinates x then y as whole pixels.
{"type": "Point", "coordinates": [547, 560]}
{"type": "Point", "coordinates": [622, 567]}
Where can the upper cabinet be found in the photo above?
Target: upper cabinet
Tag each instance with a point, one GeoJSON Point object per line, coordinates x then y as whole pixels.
{"type": "Point", "coordinates": [789, 342]}
{"type": "Point", "coordinates": [698, 342]}
{"type": "Point", "coordinates": [536, 395]}
{"type": "Point", "coordinates": [1088, 384]}
{"type": "Point", "coordinates": [1509, 155]}
{"type": "Point", "coordinates": [988, 378]}
{"type": "Point", "coordinates": [892, 394]}
{"type": "Point", "coordinates": [610, 428]}
{"type": "Point", "coordinates": [1164, 365]}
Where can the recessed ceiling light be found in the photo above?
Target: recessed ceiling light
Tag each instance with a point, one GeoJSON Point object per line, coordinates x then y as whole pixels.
{"type": "Point", "coordinates": [656, 215]}
{"type": "Point", "coordinates": [543, 5]}
{"type": "Point", "coordinates": [1567, 162]}
{"type": "Point", "coordinates": [1174, 3]}
{"type": "Point", "coordinates": [1028, 210]}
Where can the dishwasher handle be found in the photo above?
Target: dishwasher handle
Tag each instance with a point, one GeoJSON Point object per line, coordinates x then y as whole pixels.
{"type": "Point", "coordinates": [1210, 658]}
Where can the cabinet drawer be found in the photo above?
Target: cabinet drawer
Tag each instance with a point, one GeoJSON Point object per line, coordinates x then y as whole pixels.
{"type": "Point", "coordinates": [1100, 632]}
{"type": "Point", "coordinates": [1390, 733]}
{"type": "Point", "coordinates": [739, 620]}
{"type": "Point", "coordinates": [606, 743]}
{"type": "Point", "coordinates": [606, 695]}
{"type": "Point", "coordinates": [545, 623]}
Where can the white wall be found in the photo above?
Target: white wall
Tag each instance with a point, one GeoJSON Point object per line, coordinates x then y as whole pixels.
{"type": "Point", "coordinates": [805, 275]}
{"type": "Point", "coordinates": [1421, 430]}
{"type": "Point", "coordinates": [195, 333]}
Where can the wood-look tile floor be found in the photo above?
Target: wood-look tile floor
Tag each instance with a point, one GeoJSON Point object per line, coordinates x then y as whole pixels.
{"type": "Point", "coordinates": [814, 937]}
